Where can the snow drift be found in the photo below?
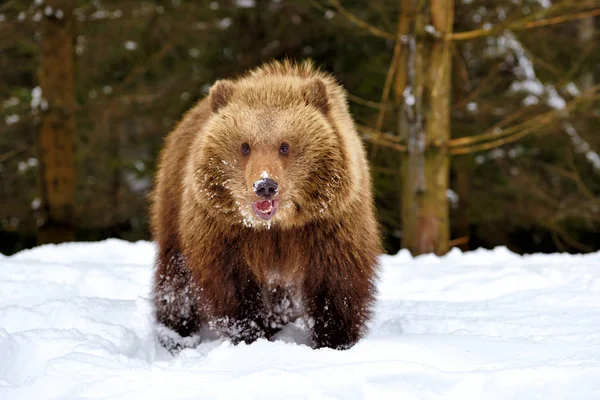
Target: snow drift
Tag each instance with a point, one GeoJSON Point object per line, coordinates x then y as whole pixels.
{"type": "Point", "coordinates": [76, 323]}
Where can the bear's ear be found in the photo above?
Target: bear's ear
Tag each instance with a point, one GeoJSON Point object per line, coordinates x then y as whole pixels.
{"type": "Point", "coordinates": [220, 93]}
{"type": "Point", "coordinates": [315, 94]}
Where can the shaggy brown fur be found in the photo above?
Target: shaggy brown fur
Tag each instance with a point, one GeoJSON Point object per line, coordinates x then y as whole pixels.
{"type": "Point", "coordinates": [218, 263]}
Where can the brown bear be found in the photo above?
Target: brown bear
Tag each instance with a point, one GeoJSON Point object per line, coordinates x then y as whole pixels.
{"type": "Point", "coordinates": [263, 212]}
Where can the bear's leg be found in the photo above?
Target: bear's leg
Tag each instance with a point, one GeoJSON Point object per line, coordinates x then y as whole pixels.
{"type": "Point", "coordinates": [243, 318]}
{"type": "Point", "coordinates": [174, 295]}
{"type": "Point", "coordinates": [336, 324]}
{"type": "Point", "coordinates": [339, 297]}
{"type": "Point", "coordinates": [282, 307]}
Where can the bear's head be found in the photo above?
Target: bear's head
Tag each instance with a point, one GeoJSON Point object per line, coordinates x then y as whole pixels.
{"type": "Point", "coordinates": [271, 152]}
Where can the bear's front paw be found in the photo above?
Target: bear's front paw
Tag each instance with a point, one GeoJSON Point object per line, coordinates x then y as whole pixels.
{"type": "Point", "coordinates": [238, 330]}
{"type": "Point", "coordinates": [173, 342]}
{"type": "Point", "coordinates": [333, 334]}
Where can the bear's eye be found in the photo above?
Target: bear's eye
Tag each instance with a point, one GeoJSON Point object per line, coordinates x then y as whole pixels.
{"type": "Point", "coordinates": [245, 149]}
{"type": "Point", "coordinates": [284, 150]}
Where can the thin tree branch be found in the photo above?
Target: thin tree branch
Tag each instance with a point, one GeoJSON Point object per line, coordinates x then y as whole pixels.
{"type": "Point", "coordinates": [380, 142]}
{"type": "Point", "coordinates": [493, 144]}
{"type": "Point", "coordinates": [480, 88]}
{"type": "Point", "coordinates": [10, 154]}
{"type": "Point", "coordinates": [572, 176]}
{"type": "Point", "coordinates": [462, 65]}
{"type": "Point", "coordinates": [384, 136]}
{"type": "Point", "coordinates": [447, 47]}
{"type": "Point", "coordinates": [373, 30]}
{"type": "Point", "coordinates": [569, 240]}
{"type": "Point", "coordinates": [579, 181]}
{"type": "Point", "coordinates": [386, 90]}
{"type": "Point", "coordinates": [557, 242]}
{"type": "Point", "coordinates": [542, 119]}
{"type": "Point", "coordinates": [458, 241]}
{"type": "Point", "coordinates": [364, 102]}
{"type": "Point", "coordinates": [562, 18]}
{"type": "Point", "coordinates": [525, 23]}
{"type": "Point", "coordinates": [388, 78]}
{"type": "Point", "coordinates": [380, 138]}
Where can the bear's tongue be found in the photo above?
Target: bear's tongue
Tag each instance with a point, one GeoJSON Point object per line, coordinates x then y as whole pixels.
{"type": "Point", "coordinates": [264, 206]}
{"type": "Point", "coordinates": [265, 209]}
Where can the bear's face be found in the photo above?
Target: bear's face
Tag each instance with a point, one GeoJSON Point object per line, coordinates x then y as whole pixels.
{"type": "Point", "coordinates": [270, 155]}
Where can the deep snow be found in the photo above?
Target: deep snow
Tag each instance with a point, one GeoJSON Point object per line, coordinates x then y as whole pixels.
{"type": "Point", "coordinates": [76, 323]}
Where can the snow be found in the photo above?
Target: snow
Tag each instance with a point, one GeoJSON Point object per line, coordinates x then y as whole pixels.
{"type": "Point", "coordinates": [130, 45]}
{"type": "Point", "coordinates": [581, 146]}
{"type": "Point", "coordinates": [545, 3]}
{"type": "Point", "coordinates": [452, 197]}
{"type": "Point", "coordinates": [532, 85]}
{"type": "Point", "coordinates": [11, 119]}
{"type": "Point", "coordinates": [572, 89]}
{"type": "Point", "coordinates": [11, 102]}
{"type": "Point", "coordinates": [472, 107]}
{"type": "Point", "coordinates": [76, 323]}
{"type": "Point", "coordinates": [37, 101]}
{"type": "Point", "coordinates": [224, 23]}
{"type": "Point", "coordinates": [30, 163]}
{"type": "Point", "coordinates": [36, 203]}
{"type": "Point", "coordinates": [245, 3]}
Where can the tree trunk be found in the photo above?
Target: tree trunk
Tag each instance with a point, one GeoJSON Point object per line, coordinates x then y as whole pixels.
{"type": "Point", "coordinates": [57, 132]}
{"type": "Point", "coordinates": [463, 173]}
{"type": "Point", "coordinates": [427, 111]}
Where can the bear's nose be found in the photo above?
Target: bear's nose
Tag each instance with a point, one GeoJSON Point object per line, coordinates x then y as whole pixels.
{"type": "Point", "coordinates": [265, 188]}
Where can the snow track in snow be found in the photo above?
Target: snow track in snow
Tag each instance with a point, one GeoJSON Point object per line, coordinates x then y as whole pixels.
{"type": "Point", "coordinates": [76, 323]}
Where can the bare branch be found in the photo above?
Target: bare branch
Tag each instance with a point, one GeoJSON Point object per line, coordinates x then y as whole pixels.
{"type": "Point", "coordinates": [380, 138]}
{"type": "Point", "coordinates": [386, 87]}
{"type": "Point", "coordinates": [373, 30]}
{"type": "Point", "coordinates": [459, 241]}
{"type": "Point", "coordinates": [389, 76]}
{"type": "Point", "coordinates": [492, 144]}
{"type": "Point", "coordinates": [528, 22]}
{"type": "Point", "coordinates": [562, 18]}
{"type": "Point", "coordinates": [573, 176]}
{"type": "Point", "coordinates": [488, 79]}
{"type": "Point", "coordinates": [10, 154]}
{"type": "Point", "coordinates": [364, 102]}
{"type": "Point", "coordinates": [569, 240]}
{"type": "Point", "coordinates": [495, 137]}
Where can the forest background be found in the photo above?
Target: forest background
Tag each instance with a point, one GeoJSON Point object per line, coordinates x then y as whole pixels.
{"type": "Point", "coordinates": [480, 117]}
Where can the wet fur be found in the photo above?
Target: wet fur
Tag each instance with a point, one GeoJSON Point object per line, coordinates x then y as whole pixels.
{"type": "Point", "coordinates": [216, 262]}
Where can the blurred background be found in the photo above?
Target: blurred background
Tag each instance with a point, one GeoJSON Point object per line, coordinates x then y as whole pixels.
{"type": "Point", "coordinates": [480, 117]}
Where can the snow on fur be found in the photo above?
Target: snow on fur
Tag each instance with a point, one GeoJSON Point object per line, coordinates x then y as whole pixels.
{"type": "Point", "coordinates": [76, 323]}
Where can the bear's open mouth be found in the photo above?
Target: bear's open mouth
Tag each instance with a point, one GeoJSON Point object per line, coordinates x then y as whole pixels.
{"type": "Point", "coordinates": [265, 209]}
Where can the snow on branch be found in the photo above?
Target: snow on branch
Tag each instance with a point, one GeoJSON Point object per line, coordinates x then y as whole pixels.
{"type": "Point", "coordinates": [535, 20]}
{"type": "Point", "coordinates": [531, 84]}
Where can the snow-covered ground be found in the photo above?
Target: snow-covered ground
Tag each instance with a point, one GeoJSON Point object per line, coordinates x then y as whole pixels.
{"type": "Point", "coordinates": [76, 323]}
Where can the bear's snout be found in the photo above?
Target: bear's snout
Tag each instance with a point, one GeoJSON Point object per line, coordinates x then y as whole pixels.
{"type": "Point", "coordinates": [266, 188]}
